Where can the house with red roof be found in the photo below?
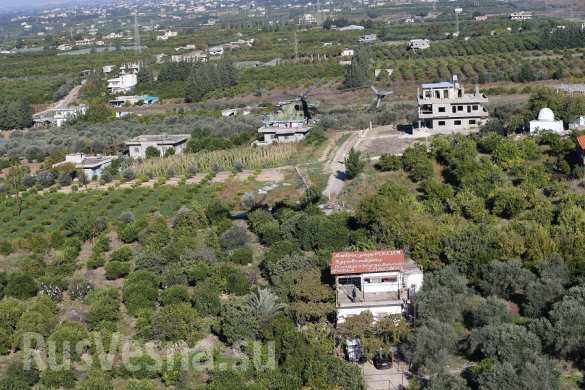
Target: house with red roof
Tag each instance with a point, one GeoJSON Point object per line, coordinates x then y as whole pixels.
{"type": "Point", "coordinates": [382, 282]}
{"type": "Point", "coordinates": [581, 147]}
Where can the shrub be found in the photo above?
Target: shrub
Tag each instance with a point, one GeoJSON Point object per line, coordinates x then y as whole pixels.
{"type": "Point", "coordinates": [248, 200]}
{"type": "Point", "coordinates": [58, 378]}
{"type": "Point", "coordinates": [96, 380]}
{"type": "Point", "coordinates": [174, 294]}
{"type": "Point", "coordinates": [140, 291]}
{"type": "Point", "coordinates": [152, 152]}
{"type": "Point", "coordinates": [388, 162]}
{"type": "Point", "coordinates": [104, 308]}
{"type": "Point", "coordinates": [417, 163]}
{"type": "Point", "coordinates": [71, 333]}
{"type": "Point", "coordinates": [173, 274]}
{"type": "Point", "coordinates": [127, 217]}
{"type": "Point", "coordinates": [129, 232]}
{"type": "Point", "coordinates": [116, 269]}
{"type": "Point", "coordinates": [354, 164]}
{"type": "Point", "coordinates": [140, 385]}
{"type": "Point", "coordinates": [234, 237]}
{"type": "Point", "coordinates": [205, 298]}
{"type": "Point", "coordinates": [102, 244]}
{"type": "Point", "coordinates": [216, 211]}
{"type": "Point", "coordinates": [20, 285]}
{"type": "Point", "coordinates": [243, 255]}
{"type": "Point", "coordinates": [6, 247]}
{"type": "Point", "coordinates": [176, 322]}
{"type": "Point", "coordinates": [128, 175]}
{"type": "Point", "coordinates": [106, 177]}
{"type": "Point", "coordinates": [122, 254]}
{"type": "Point", "coordinates": [236, 282]}
{"type": "Point", "coordinates": [96, 261]}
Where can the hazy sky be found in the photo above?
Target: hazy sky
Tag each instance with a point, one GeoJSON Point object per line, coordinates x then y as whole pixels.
{"type": "Point", "coordinates": [18, 4]}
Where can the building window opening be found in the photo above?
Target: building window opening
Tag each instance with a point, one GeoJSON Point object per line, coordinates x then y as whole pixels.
{"type": "Point", "coordinates": [441, 109]}
{"type": "Point", "coordinates": [457, 123]}
{"type": "Point", "coordinates": [441, 123]}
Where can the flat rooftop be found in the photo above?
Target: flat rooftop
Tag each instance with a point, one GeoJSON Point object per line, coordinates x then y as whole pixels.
{"type": "Point", "coordinates": [283, 130]}
{"type": "Point", "coordinates": [345, 263]}
{"type": "Point", "coordinates": [163, 139]}
{"type": "Point", "coordinates": [95, 161]}
{"type": "Point", "coordinates": [444, 84]}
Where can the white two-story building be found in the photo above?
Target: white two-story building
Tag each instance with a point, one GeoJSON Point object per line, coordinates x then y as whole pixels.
{"type": "Point", "coordinates": [382, 282]}
{"type": "Point", "coordinates": [122, 84]}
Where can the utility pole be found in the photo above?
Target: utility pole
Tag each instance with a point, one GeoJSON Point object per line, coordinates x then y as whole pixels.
{"type": "Point", "coordinates": [457, 12]}
{"type": "Point", "coordinates": [137, 46]}
{"type": "Point", "coordinates": [296, 47]}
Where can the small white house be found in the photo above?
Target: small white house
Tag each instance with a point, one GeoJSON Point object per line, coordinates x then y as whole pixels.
{"type": "Point", "coordinates": [351, 27]}
{"type": "Point", "coordinates": [419, 44]}
{"type": "Point", "coordinates": [215, 51]}
{"type": "Point", "coordinates": [368, 38]}
{"type": "Point", "coordinates": [59, 116]}
{"type": "Point", "coordinates": [347, 52]}
{"type": "Point", "coordinates": [381, 282]}
{"type": "Point", "coordinates": [163, 143]}
{"type": "Point", "coordinates": [92, 166]}
{"type": "Point", "coordinates": [130, 68]}
{"type": "Point", "coordinates": [522, 15]}
{"type": "Point", "coordinates": [123, 83]}
{"type": "Point", "coordinates": [107, 69]}
{"type": "Point", "coordinates": [578, 123]}
{"type": "Point", "coordinates": [546, 122]}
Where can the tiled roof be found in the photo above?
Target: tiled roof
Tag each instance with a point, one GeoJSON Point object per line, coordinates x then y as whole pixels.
{"type": "Point", "coordinates": [343, 263]}
{"type": "Point", "coordinates": [581, 142]}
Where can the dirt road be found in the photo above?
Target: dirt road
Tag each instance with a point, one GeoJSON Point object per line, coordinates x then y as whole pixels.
{"type": "Point", "coordinates": [336, 167]}
{"type": "Point", "coordinates": [67, 101]}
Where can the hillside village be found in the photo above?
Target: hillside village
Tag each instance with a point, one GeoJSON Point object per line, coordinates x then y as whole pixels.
{"type": "Point", "coordinates": [358, 195]}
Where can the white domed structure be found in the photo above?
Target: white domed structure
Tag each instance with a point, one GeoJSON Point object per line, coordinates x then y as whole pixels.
{"type": "Point", "coordinates": [546, 115]}
{"type": "Point", "coordinates": [546, 122]}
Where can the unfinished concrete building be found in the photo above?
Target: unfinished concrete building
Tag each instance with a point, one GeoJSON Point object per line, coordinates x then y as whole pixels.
{"type": "Point", "coordinates": [445, 107]}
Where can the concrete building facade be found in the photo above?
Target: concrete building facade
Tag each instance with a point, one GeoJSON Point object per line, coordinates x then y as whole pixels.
{"type": "Point", "coordinates": [445, 107]}
{"type": "Point", "coordinates": [163, 143]}
{"type": "Point", "coordinates": [122, 84]}
{"type": "Point", "coordinates": [381, 282]}
{"type": "Point", "coordinates": [92, 166]}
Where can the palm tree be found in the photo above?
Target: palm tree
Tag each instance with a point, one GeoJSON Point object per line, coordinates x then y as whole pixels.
{"type": "Point", "coordinates": [264, 304]}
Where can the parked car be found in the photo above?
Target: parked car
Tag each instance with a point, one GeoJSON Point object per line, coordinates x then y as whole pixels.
{"type": "Point", "coordinates": [353, 351]}
{"type": "Point", "coordinates": [382, 360]}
